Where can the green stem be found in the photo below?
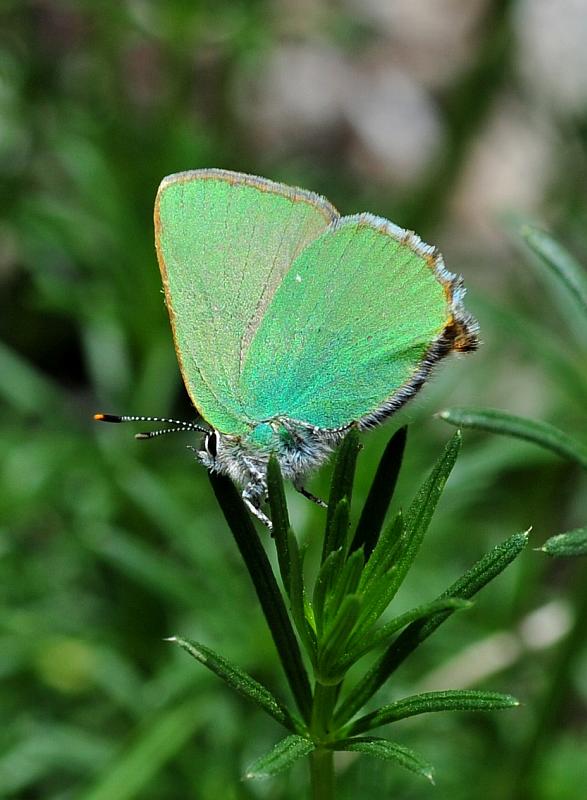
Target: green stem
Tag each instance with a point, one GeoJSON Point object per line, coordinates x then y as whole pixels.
{"type": "Point", "coordinates": [324, 700]}
{"type": "Point", "coordinates": [322, 759]}
{"type": "Point", "coordinates": [322, 774]}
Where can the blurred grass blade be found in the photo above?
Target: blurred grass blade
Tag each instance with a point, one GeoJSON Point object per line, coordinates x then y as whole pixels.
{"type": "Point", "coordinates": [158, 741]}
{"type": "Point", "coordinates": [380, 494]}
{"type": "Point", "coordinates": [480, 574]}
{"type": "Point", "coordinates": [341, 487]}
{"type": "Point", "coordinates": [280, 519]}
{"type": "Point", "coordinates": [25, 388]}
{"type": "Point", "coordinates": [238, 680]}
{"type": "Point", "coordinates": [281, 757]}
{"type": "Point", "coordinates": [429, 702]}
{"type": "Point", "coordinates": [572, 543]}
{"type": "Point", "coordinates": [541, 433]}
{"type": "Point", "coordinates": [388, 751]}
{"type": "Point", "coordinates": [255, 558]}
{"type": "Point", "coordinates": [560, 262]}
{"type": "Point", "coordinates": [137, 559]}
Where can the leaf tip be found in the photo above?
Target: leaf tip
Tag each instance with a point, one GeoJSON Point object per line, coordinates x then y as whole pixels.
{"type": "Point", "coordinates": [429, 775]}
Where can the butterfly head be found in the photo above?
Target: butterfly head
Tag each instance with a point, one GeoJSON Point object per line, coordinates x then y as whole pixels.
{"type": "Point", "coordinates": [210, 450]}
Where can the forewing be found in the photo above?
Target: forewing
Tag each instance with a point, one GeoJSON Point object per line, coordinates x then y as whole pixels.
{"type": "Point", "coordinates": [354, 327]}
{"type": "Point", "coordinates": [224, 241]}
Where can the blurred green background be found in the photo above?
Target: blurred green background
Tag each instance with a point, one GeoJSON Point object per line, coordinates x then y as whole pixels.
{"type": "Point", "coordinates": [456, 118]}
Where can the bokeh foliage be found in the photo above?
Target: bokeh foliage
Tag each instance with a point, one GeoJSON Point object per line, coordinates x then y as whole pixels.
{"type": "Point", "coordinates": [107, 546]}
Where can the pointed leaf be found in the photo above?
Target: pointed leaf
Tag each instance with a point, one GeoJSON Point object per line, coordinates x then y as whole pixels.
{"type": "Point", "coordinates": [281, 757]}
{"type": "Point", "coordinates": [341, 487]}
{"type": "Point", "coordinates": [428, 702]}
{"type": "Point", "coordinates": [380, 494]}
{"type": "Point", "coordinates": [385, 551]}
{"type": "Point", "coordinates": [338, 528]}
{"type": "Point", "coordinates": [255, 558]}
{"type": "Point", "coordinates": [560, 262]}
{"type": "Point", "coordinates": [326, 578]}
{"type": "Point", "coordinates": [298, 597]}
{"type": "Point", "coordinates": [480, 574]}
{"type": "Point", "coordinates": [239, 680]}
{"type": "Point", "coordinates": [541, 433]}
{"type": "Point", "coordinates": [367, 641]}
{"type": "Point", "coordinates": [388, 751]}
{"type": "Point", "coordinates": [416, 522]}
{"type": "Point", "coordinates": [279, 518]}
{"type": "Point", "coordinates": [336, 637]}
{"type": "Point", "coordinates": [572, 543]}
{"type": "Point", "coordinates": [346, 582]}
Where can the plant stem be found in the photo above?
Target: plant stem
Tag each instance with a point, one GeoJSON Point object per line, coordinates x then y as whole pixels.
{"type": "Point", "coordinates": [322, 774]}
{"type": "Point", "coordinates": [324, 700]}
{"type": "Point", "coordinates": [322, 759]}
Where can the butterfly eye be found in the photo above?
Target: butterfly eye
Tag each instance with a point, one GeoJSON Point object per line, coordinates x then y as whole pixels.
{"type": "Point", "coordinates": [211, 444]}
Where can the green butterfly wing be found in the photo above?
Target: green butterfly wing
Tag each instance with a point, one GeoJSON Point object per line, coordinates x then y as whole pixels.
{"type": "Point", "coordinates": [354, 327]}
{"type": "Point", "coordinates": [224, 242]}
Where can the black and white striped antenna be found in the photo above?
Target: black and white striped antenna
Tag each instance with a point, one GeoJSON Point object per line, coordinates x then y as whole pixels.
{"type": "Point", "coordinates": [180, 426]}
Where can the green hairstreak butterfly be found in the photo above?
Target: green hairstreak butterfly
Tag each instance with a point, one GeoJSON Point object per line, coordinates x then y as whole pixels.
{"type": "Point", "coordinates": [292, 323]}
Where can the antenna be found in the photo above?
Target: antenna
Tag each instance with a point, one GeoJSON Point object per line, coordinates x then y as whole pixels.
{"type": "Point", "coordinates": [181, 425]}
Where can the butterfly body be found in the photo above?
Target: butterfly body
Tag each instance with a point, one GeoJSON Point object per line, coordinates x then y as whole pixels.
{"type": "Point", "coordinates": [292, 323]}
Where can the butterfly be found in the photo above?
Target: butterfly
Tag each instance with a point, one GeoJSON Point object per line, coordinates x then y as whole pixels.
{"type": "Point", "coordinates": [293, 323]}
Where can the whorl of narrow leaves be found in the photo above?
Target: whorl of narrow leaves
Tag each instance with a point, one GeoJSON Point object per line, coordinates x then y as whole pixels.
{"type": "Point", "coordinates": [337, 620]}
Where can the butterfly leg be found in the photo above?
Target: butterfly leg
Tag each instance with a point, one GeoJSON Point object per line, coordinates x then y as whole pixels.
{"type": "Point", "coordinates": [299, 488]}
{"type": "Point", "coordinates": [252, 495]}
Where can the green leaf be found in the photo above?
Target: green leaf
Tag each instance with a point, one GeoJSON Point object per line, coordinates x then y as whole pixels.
{"type": "Point", "coordinates": [541, 433]}
{"type": "Point", "coordinates": [239, 680]}
{"type": "Point", "coordinates": [338, 528]}
{"type": "Point", "coordinates": [281, 757]}
{"type": "Point", "coordinates": [345, 583]}
{"type": "Point", "coordinates": [416, 522]}
{"type": "Point", "coordinates": [419, 514]}
{"type": "Point", "coordinates": [572, 543]}
{"type": "Point", "coordinates": [380, 494]}
{"type": "Point", "coordinates": [298, 597]}
{"type": "Point", "coordinates": [335, 639]}
{"type": "Point", "coordinates": [255, 558]}
{"type": "Point", "coordinates": [560, 262]}
{"type": "Point", "coordinates": [385, 552]}
{"type": "Point", "coordinates": [428, 702]}
{"type": "Point", "coordinates": [480, 574]}
{"type": "Point", "coordinates": [341, 487]}
{"type": "Point", "coordinates": [280, 519]}
{"type": "Point", "coordinates": [367, 641]}
{"type": "Point", "coordinates": [388, 751]}
{"type": "Point", "coordinates": [326, 578]}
